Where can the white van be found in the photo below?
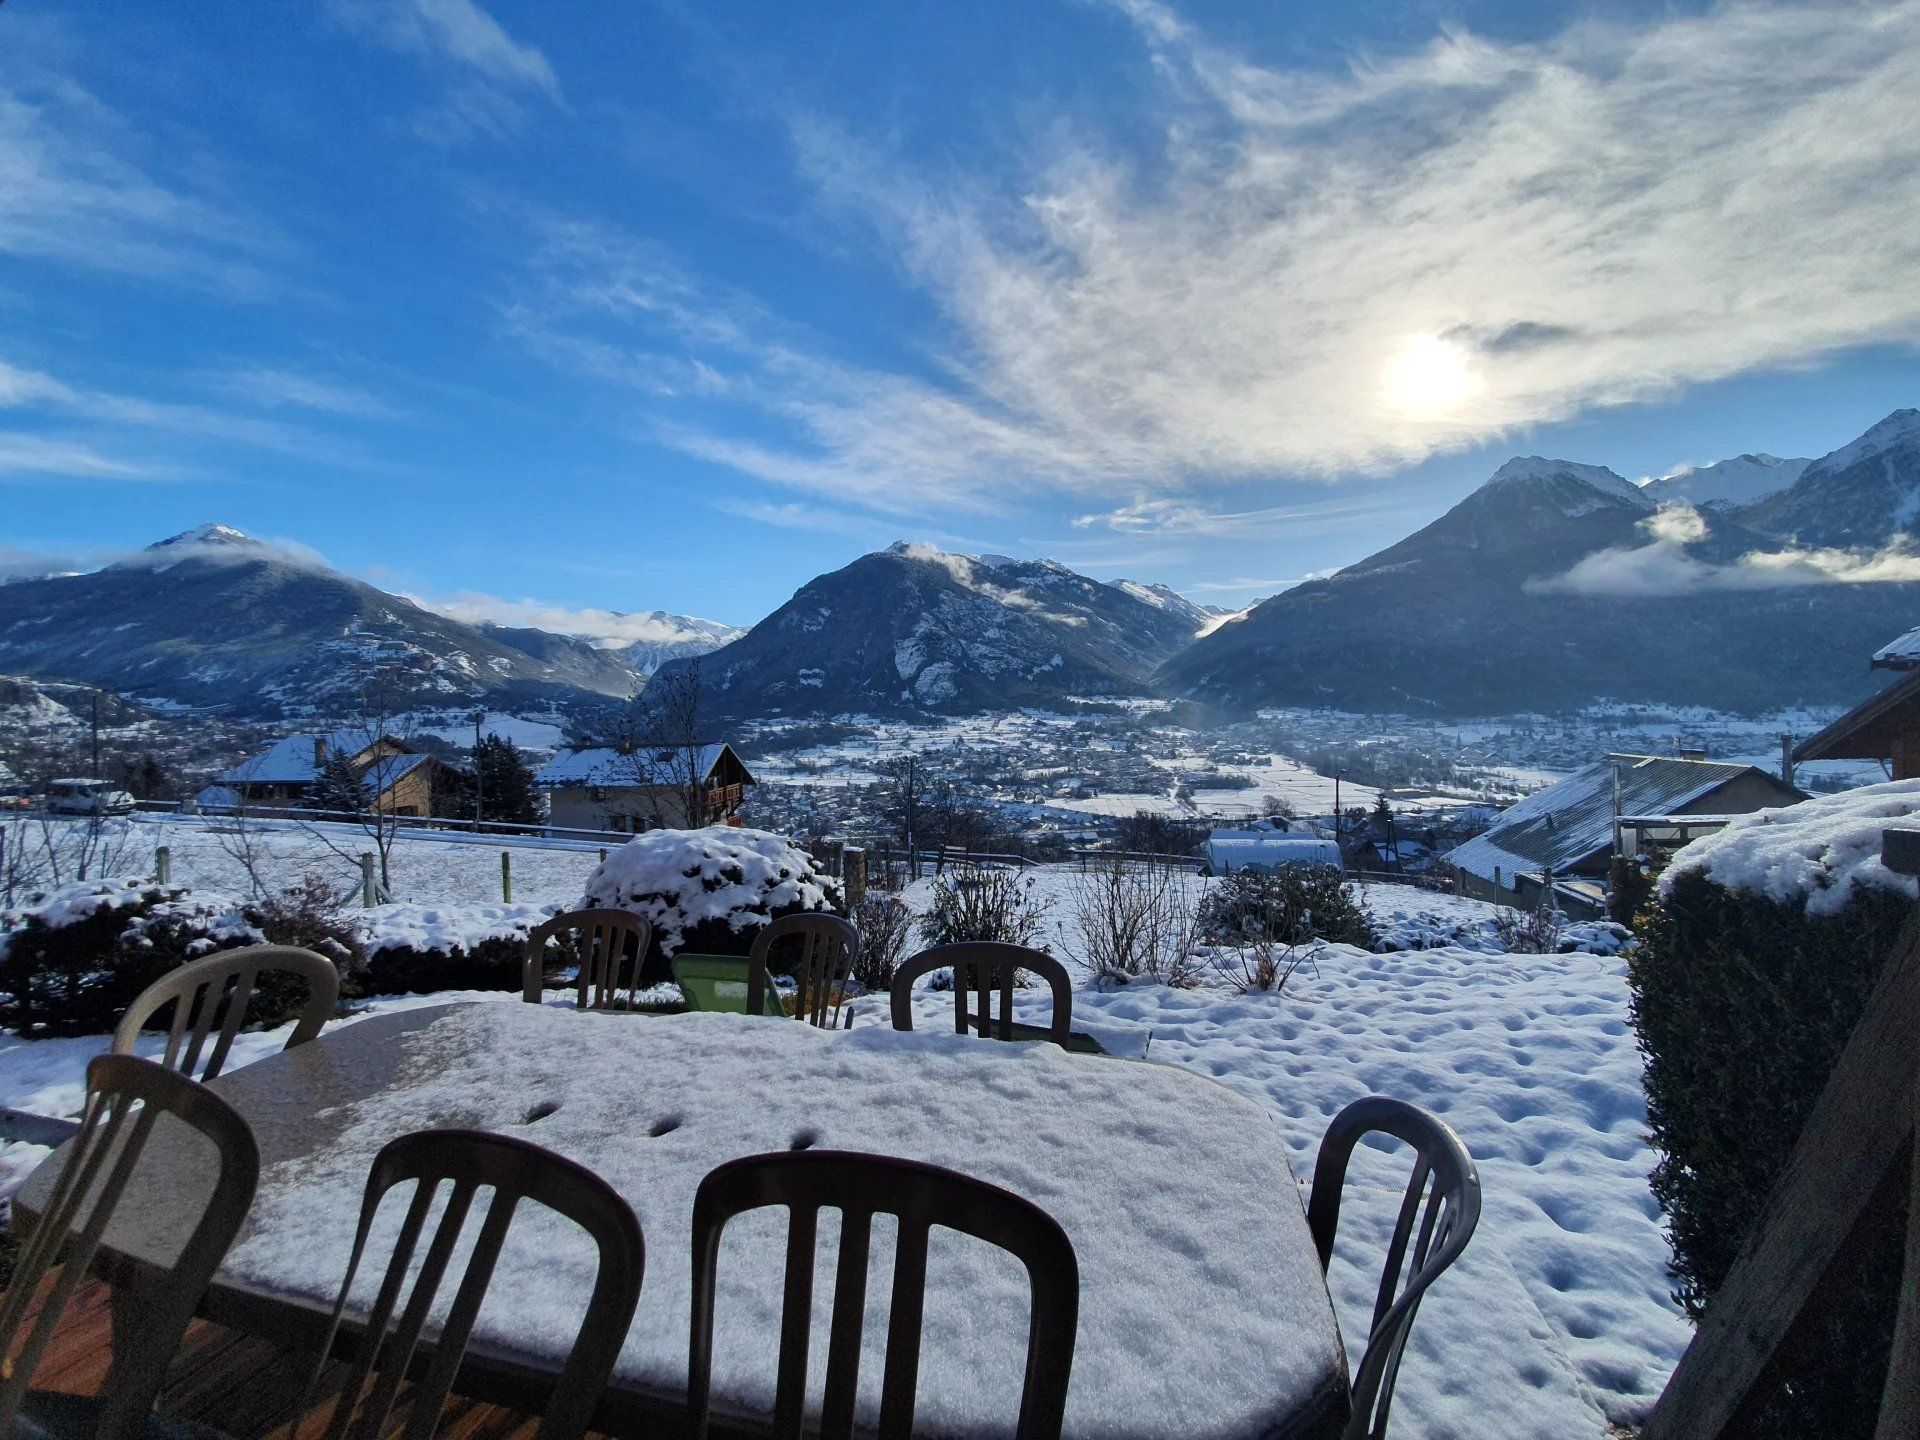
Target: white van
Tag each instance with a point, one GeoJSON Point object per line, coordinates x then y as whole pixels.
{"type": "Point", "coordinates": [87, 797]}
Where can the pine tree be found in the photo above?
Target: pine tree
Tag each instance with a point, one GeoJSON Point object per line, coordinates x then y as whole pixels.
{"type": "Point", "coordinates": [338, 788]}
{"type": "Point", "coordinates": [507, 790]}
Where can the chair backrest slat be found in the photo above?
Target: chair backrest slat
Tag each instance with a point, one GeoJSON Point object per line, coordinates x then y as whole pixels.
{"type": "Point", "coordinates": [112, 1139]}
{"type": "Point", "coordinates": [604, 940]}
{"type": "Point", "coordinates": [210, 998]}
{"type": "Point", "coordinates": [1444, 1178]}
{"type": "Point", "coordinates": [982, 968]}
{"type": "Point", "coordinates": [514, 1171]}
{"type": "Point", "coordinates": [920, 1197]}
{"type": "Point", "coordinates": [829, 948]}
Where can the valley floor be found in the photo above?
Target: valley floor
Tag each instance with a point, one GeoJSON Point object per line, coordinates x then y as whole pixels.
{"type": "Point", "coordinates": [1556, 1321]}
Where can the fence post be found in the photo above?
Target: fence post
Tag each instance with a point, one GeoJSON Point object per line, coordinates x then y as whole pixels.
{"type": "Point", "coordinates": [163, 865]}
{"type": "Point", "coordinates": [603, 854]}
{"type": "Point", "coordinates": [506, 877]}
{"type": "Point", "coordinates": [367, 884]}
{"type": "Point", "coordinates": [853, 869]}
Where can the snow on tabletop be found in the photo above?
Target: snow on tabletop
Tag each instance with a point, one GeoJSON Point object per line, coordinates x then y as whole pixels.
{"type": "Point", "coordinates": [1202, 1307]}
{"type": "Point", "coordinates": [1558, 1318]}
{"type": "Point", "coordinates": [1822, 851]}
{"type": "Point", "coordinates": [719, 873]}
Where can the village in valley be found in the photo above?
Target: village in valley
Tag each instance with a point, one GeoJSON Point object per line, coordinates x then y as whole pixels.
{"type": "Point", "coordinates": [1088, 721]}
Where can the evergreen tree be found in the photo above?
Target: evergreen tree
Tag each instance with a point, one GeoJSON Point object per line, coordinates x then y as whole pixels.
{"type": "Point", "coordinates": [507, 790]}
{"type": "Point", "coordinates": [338, 788]}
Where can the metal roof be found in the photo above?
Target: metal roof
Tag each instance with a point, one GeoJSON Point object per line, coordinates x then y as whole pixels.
{"type": "Point", "coordinates": [1557, 828]}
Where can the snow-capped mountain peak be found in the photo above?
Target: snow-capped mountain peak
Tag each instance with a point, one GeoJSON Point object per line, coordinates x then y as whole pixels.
{"type": "Point", "coordinates": [1901, 426]}
{"type": "Point", "coordinates": [1165, 597]}
{"type": "Point", "coordinates": [211, 534]}
{"type": "Point", "coordinates": [1532, 470]}
{"type": "Point", "coordinates": [1739, 481]}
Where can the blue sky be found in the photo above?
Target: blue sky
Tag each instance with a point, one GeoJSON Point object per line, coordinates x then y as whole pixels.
{"type": "Point", "coordinates": [536, 309]}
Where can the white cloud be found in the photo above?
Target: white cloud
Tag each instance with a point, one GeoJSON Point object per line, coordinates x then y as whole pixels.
{"type": "Point", "coordinates": [1598, 217]}
{"type": "Point", "coordinates": [490, 70]}
{"type": "Point", "coordinates": [1664, 567]}
{"type": "Point", "coordinates": [1170, 516]}
{"type": "Point", "coordinates": [605, 627]}
{"type": "Point", "coordinates": [47, 457]}
{"type": "Point", "coordinates": [273, 388]}
{"type": "Point", "coordinates": [81, 186]}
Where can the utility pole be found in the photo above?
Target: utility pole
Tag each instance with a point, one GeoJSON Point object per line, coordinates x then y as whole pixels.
{"type": "Point", "coordinates": [1337, 821]}
{"type": "Point", "coordinates": [1786, 757]}
{"type": "Point", "coordinates": [478, 784]}
{"type": "Point", "coordinates": [95, 772]}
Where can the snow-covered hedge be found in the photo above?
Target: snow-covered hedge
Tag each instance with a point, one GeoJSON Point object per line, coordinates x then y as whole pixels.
{"type": "Point", "coordinates": [1753, 967]}
{"type": "Point", "coordinates": [417, 949]}
{"type": "Point", "coordinates": [708, 891]}
{"type": "Point", "coordinates": [72, 959]}
{"type": "Point", "coordinates": [1820, 852]}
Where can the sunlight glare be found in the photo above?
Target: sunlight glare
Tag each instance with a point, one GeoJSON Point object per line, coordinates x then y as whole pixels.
{"type": "Point", "coordinates": [1429, 376]}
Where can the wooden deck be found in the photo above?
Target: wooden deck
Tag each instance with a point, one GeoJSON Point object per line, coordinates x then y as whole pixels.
{"type": "Point", "coordinates": [241, 1385]}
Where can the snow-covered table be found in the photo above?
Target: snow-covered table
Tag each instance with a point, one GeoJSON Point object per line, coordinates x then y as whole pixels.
{"type": "Point", "coordinates": [1203, 1311]}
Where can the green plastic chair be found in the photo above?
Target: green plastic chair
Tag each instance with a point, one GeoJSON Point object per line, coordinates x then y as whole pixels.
{"type": "Point", "coordinates": [713, 982]}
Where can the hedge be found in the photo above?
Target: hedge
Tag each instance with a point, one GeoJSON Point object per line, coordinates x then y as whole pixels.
{"type": "Point", "coordinates": [1743, 1005]}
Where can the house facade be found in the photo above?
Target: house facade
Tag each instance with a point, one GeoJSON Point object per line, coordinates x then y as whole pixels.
{"type": "Point", "coordinates": [1567, 832]}
{"type": "Point", "coordinates": [604, 787]}
{"type": "Point", "coordinates": [1884, 727]}
{"type": "Point", "coordinates": [394, 778]}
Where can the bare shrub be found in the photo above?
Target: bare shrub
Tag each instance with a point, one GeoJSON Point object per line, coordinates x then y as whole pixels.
{"type": "Point", "coordinates": [312, 913]}
{"type": "Point", "coordinates": [978, 903]}
{"type": "Point", "coordinates": [1531, 932]}
{"type": "Point", "coordinates": [885, 925]}
{"type": "Point", "coordinates": [1136, 921]}
{"type": "Point", "coordinates": [1265, 963]}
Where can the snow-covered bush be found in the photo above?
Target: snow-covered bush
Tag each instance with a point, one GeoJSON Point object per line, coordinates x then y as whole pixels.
{"type": "Point", "coordinates": [1288, 906]}
{"type": "Point", "coordinates": [708, 892]}
{"type": "Point", "coordinates": [418, 949]}
{"type": "Point", "coordinates": [75, 957]}
{"type": "Point", "coordinates": [1753, 967]}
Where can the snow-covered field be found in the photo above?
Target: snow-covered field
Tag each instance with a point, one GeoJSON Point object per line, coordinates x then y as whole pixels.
{"type": "Point", "coordinates": [1558, 1318]}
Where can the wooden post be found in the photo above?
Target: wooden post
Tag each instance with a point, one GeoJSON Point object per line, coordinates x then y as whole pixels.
{"type": "Point", "coordinates": [603, 854]}
{"type": "Point", "coordinates": [1900, 1396]}
{"type": "Point", "coordinates": [163, 865]}
{"type": "Point", "coordinates": [506, 877]}
{"type": "Point", "coordinates": [853, 869]}
{"type": "Point", "coordinates": [367, 884]}
{"type": "Point", "coordinates": [1861, 1126]}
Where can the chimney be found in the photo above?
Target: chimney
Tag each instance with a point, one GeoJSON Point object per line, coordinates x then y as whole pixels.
{"type": "Point", "coordinates": [319, 752]}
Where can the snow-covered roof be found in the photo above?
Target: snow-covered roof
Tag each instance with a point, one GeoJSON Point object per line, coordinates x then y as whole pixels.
{"type": "Point", "coordinates": [1229, 850]}
{"type": "Point", "coordinates": [605, 766]}
{"type": "Point", "coordinates": [389, 770]}
{"type": "Point", "coordinates": [1557, 828]}
{"type": "Point", "coordinates": [1900, 654]}
{"type": "Point", "coordinates": [290, 760]}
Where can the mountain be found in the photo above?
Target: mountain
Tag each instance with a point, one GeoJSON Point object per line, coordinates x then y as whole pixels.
{"type": "Point", "coordinates": [214, 617]}
{"type": "Point", "coordinates": [1556, 585]}
{"type": "Point", "coordinates": [913, 629]}
{"type": "Point", "coordinates": [666, 636]}
{"type": "Point", "coordinates": [1866, 493]}
{"type": "Point", "coordinates": [1165, 597]}
{"type": "Point", "coordinates": [1739, 481]}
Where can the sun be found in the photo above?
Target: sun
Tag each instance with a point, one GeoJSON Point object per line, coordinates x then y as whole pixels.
{"type": "Point", "coordinates": [1429, 376]}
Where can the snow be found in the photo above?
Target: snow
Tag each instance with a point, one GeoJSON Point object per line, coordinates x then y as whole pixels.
{"type": "Point", "coordinates": [1900, 653]}
{"type": "Point", "coordinates": [1526, 469]}
{"type": "Point", "coordinates": [1153, 1206]}
{"type": "Point", "coordinates": [1900, 426]}
{"type": "Point", "coordinates": [297, 759]}
{"type": "Point", "coordinates": [1229, 850]}
{"type": "Point", "coordinates": [1738, 481]}
{"type": "Point", "coordinates": [604, 765]}
{"type": "Point", "coordinates": [1821, 851]}
{"type": "Point", "coordinates": [738, 872]}
{"type": "Point", "coordinates": [448, 927]}
{"type": "Point", "coordinates": [1556, 1320]}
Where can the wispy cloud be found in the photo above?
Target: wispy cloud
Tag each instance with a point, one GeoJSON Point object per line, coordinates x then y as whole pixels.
{"type": "Point", "coordinates": [1181, 516]}
{"type": "Point", "coordinates": [81, 186]}
{"type": "Point", "coordinates": [274, 388]}
{"type": "Point", "coordinates": [44, 457]}
{"type": "Point", "coordinates": [1318, 274]}
{"type": "Point", "coordinates": [489, 72]}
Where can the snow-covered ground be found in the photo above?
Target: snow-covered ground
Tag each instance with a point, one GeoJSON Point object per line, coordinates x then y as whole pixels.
{"type": "Point", "coordinates": [1558, 1318]}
